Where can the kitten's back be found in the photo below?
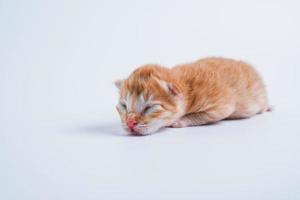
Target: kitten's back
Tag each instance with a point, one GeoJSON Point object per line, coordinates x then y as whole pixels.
{"type": "Point", "coordinates": [213, 77]}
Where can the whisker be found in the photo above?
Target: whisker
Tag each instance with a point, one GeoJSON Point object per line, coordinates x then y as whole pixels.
{"type": "Point", "coordinates": [143, 124]}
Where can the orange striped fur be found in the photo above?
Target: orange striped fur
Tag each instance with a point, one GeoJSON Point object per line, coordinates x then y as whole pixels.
{"type": "Point", "coordinates": [202, 92]}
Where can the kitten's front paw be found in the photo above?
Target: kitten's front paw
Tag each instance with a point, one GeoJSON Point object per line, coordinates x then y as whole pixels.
{"type": "Point", "coordinates": [180, 124]}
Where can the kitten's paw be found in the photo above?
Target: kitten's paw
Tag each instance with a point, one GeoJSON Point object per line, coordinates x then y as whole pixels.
{"type": "Point", "coordinates": [269, 108]}
{"type": "Point", "coordinates": [179, 124]}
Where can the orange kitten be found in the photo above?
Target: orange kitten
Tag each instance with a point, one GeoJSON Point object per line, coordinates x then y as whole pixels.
{"type": "Point", "coordinates": [202, 92]}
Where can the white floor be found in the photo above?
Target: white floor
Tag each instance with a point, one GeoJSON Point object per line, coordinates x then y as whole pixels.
{"type": "Point", "coordinates": [60, 135]}
{"type": "Point", "coordinates": [248, 159]}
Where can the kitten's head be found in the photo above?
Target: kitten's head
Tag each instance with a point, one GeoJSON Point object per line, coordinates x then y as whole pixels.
{"type": "Point", "coordinates": [149, 100]}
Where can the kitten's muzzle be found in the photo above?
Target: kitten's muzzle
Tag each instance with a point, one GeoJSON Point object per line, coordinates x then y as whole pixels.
{"type": "Point", "coordinates": [131, 123]}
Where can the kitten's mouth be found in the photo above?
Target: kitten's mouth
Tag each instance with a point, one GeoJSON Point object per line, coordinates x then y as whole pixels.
{"type": "Point", "coordinates": [135, 132]}
{"type": "Point", "coordinates": [140, 130]}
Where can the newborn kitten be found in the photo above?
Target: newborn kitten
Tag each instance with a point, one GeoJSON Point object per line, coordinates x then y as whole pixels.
{"type": "Point", "coordinates": [203, 92]}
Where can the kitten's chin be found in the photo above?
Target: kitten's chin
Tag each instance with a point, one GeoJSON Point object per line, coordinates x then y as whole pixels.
{"type": "Point", "coordinates": [138, 132]}
{"type": "Point", "coordinates": [152, 128]}
{"type": "Point", "coordinates": [145, 130]}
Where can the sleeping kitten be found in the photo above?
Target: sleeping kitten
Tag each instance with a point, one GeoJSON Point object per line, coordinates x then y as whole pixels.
{"type": "Point", "coordinates": [202, 92]}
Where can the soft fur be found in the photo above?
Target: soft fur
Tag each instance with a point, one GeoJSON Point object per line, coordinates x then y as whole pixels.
{"type": "Point", "coordinates": [202, 92]}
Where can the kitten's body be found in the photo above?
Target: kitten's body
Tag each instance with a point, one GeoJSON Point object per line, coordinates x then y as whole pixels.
{"type": "Point", "coordinates": [198, 93]}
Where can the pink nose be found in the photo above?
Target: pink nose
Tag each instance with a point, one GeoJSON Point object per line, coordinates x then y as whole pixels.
{"type": "Point", "coordinates": [131, 123]}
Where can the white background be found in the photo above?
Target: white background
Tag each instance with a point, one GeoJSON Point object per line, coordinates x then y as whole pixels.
{"type": "Point", "coordinates": [60, 136]}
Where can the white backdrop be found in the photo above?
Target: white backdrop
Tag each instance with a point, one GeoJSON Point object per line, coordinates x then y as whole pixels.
{"type": "Point", "coordinates": [60, 136]}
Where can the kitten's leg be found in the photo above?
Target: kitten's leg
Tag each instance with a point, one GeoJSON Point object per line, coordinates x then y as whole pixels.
{"type": "Point", "coordinates": [207, 117]}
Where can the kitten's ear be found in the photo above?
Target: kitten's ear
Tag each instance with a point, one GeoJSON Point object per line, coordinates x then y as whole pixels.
{"type": "Point", "coordinates": [119, 83]}
{"type": "Point", "coordinates": [171, 88]}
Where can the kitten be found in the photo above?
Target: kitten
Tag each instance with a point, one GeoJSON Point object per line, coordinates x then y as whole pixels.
{"type": "Point", "coordinates": [202, 92]}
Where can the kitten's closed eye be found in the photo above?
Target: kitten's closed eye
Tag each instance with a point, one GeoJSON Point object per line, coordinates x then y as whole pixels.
{"type": "Point", "coordinates": [123, 106]}
{"type": "Point", "coordinates": [146, 109]}
{"type": "Point", "coordinates": [151, 109]}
